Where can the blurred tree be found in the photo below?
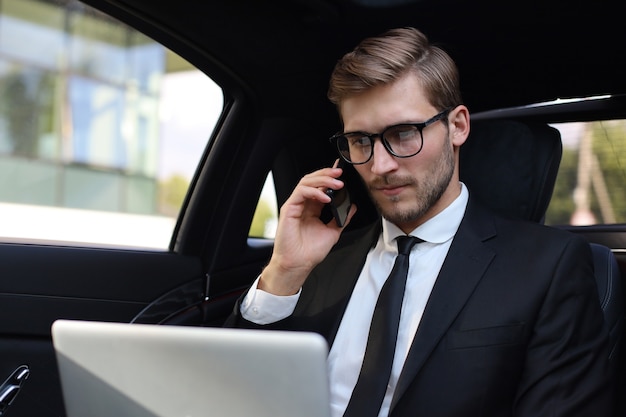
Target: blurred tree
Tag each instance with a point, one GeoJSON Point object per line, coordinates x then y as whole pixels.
{"type": "Point", "coordinates": [262, 215]}
{"type": "Point", "coordinates": [26, 104]}
{"type": "Point", "coordinates": [606, 175]}
{"type": "Point", "coordinates": [609, 170]}
{"type": "Point", "coordinates": [172, 193]}
{"type": "Point", "coordinates": [562, 203]}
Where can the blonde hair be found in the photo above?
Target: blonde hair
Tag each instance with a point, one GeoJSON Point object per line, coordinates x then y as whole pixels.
{"type": "Point", "coordinates": [388, 57]}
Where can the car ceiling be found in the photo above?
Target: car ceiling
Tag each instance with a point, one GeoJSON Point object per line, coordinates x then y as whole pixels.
{"type": "Point", "coordinates": [509, 53]}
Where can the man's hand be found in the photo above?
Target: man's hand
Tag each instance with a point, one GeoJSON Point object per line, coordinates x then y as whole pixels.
{"type": "Point", "coordinates": [302, 239]}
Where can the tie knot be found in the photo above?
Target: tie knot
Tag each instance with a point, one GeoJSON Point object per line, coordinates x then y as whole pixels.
{"type": "Point", "coordinates": [405, 243]}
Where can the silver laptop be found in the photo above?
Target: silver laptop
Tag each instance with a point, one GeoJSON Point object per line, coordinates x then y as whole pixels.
{"type": "Point", "coordinates": [135, 370]}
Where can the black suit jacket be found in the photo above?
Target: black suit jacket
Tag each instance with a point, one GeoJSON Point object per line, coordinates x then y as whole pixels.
{"type": "Point", "coordinates": [513, 326]}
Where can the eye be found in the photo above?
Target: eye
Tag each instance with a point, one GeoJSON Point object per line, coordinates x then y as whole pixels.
{"type": "Point", "coordinates": [402, 133]}
{"type": "Point", "coordinates": [358, 140]}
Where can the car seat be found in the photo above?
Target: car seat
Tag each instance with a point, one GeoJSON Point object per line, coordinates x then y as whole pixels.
{"type": "Point", "coordinates": [511, 167]}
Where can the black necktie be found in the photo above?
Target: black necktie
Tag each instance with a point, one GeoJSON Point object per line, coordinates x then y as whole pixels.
{"type": "Point", "coordinates": [371, 386]}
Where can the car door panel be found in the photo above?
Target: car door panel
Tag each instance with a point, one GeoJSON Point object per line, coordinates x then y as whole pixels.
{"type": "Point", "coordinates": [45, 283]}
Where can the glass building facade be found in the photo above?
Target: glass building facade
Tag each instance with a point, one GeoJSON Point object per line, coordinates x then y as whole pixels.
{"type": "Point", "coordinates": [79, 109]}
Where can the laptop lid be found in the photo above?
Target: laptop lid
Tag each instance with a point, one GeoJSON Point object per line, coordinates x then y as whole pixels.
{"type": "Point", "coordinates": [137, 370]}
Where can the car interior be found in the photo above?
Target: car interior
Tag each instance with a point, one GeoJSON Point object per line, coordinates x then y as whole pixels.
{"type": "Point", "coordinates": [529, 72]}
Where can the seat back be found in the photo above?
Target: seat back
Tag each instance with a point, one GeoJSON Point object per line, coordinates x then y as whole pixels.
{"type": "Point", "coordinates": [511, 167]}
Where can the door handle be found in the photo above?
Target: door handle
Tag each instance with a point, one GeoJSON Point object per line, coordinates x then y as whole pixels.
{"type": "Point", "coordinates": [11, 387]}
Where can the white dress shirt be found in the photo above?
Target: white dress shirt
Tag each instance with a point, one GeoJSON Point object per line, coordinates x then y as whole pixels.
{"type": "Point", "coordinates": [346, 354]}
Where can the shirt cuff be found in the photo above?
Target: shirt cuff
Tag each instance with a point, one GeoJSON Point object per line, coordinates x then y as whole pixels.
{"type": "Point", "coordinates": [261, 307]}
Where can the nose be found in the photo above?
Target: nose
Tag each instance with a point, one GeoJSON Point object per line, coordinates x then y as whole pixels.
{"type": "Point", "coordinates": [382, 161]}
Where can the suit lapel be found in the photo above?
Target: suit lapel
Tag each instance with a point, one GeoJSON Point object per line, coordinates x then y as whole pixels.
{"type": "Point", "coordinates": [344, 265]}
{"type": "Point", "coordinates": [465, 264]}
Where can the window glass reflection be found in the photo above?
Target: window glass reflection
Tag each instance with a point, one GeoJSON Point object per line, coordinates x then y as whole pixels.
{"type": "Point", "coordinates": [27, 111]}
{"type": "Point", "coordinates": [98, 121]}
{"type": "Point", "coordinates": [32, 31]}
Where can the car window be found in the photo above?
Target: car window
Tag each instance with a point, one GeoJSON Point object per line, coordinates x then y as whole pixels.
{"type": "Point", "coordinates": [591, 184]}
{"type": "Point", "coordinates": [265, 218]}
{"type": "Point", "coordinates": [101, 128]}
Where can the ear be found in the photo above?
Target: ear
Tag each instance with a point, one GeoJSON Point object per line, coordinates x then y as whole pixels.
{"type": "Point", "coordinates": [459, 125]}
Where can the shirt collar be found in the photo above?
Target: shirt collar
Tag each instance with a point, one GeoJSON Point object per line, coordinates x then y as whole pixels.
{"type": "Point", "coordinates": [439, 229]}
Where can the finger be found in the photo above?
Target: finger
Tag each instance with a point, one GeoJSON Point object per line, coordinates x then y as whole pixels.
{"type": "Point", "coordinates": [304, 193]}
{"type": "Point", "coordinates": [334, 172]}
{"type": "Point", "coordinates": [322, 182]}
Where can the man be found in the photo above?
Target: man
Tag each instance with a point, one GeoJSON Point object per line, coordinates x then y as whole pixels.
{"type": "Point", "coordinates": [498, 317]}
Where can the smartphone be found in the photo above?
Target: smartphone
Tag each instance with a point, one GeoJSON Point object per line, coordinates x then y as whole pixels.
{"type": "Point", "coordinates": [340, 201]}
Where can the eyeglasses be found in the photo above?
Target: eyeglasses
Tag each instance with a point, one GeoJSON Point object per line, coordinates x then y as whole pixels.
{"type": "Point", "coordinates": [402, 141]}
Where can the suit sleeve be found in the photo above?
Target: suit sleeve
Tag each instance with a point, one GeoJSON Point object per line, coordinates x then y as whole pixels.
{"type": "Point", "coordinates": [567, 371]}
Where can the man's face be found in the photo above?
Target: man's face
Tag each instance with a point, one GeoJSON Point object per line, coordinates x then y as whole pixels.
{"type": "Point", "coordinates": [407, 191]}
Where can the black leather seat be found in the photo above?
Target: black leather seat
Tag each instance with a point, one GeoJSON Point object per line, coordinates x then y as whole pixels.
{"type": "Point", "coordinates": [608, 279]}
{"type": "Point", "coordinates": [511, 167]}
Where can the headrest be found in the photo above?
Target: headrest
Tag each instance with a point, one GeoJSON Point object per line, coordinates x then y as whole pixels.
{"type": "Point", "coordinates": [511, 166]}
